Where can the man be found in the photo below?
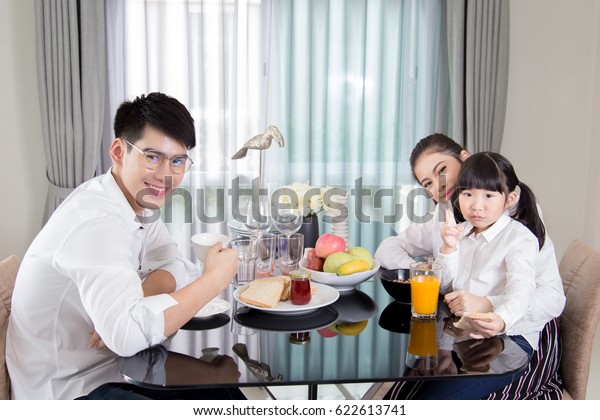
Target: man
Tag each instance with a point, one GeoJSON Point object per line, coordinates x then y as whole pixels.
{"type": "Point", "coordinates": [103, 278]}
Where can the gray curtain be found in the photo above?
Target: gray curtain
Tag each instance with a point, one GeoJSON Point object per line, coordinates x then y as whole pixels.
{"type": "Point", "coordinates": [70, 42]}
{"type": "Point", "coordinates": [478, 46]}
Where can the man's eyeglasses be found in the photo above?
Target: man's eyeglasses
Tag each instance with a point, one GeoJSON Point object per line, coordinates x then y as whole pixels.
{"type": "Point", "coordinates": [154, 159]}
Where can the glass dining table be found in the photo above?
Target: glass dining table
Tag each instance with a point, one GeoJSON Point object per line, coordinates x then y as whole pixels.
{"type": "Point", "coordinates": [364, 336]}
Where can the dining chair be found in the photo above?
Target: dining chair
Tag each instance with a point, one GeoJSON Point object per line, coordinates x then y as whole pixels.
{"type": "Point", "coordinates": [580, 272]}
{"type": "Point", "coordinates": [8, 274]}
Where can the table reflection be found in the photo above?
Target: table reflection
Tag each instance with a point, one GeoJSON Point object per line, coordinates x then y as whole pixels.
{"type": "Point", "coordinates": [362, 337]}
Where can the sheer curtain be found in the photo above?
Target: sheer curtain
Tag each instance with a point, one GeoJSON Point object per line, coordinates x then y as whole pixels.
{"type": "Point", "coordinates": [352, 85]}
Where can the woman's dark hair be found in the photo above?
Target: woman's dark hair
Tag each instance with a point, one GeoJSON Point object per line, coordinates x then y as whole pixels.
{"type": "Point", "coordinates": [493, 172]}
{"type": "Point", "coordinates": [435, 143]}
{"type": "Point", "coordinates": [158, 110]}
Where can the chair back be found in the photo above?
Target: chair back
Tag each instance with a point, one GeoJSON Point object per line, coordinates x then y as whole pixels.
{"type": "Point", "coordinates": [580, 273]}
{"type": "Point", "coordinates": [8, 274]}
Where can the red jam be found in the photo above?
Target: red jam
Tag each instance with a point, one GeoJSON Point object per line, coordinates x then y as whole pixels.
{"type": "Point", "coordinates": [300, 292]}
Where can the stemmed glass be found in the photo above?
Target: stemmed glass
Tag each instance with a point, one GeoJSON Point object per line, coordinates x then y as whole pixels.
{"type": "Point", "coordinates": [286, 220]}
{"type": "Point", "coordinates": [258, 217]}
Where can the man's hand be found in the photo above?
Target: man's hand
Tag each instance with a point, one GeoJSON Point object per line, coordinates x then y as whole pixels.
{"type": "Point", "coordinates": [221, 264]}
{"type": "Point", "coordinates": [95, 342]}
{"type": "Point", "coordinates": [461, 301]}
{"type": "Point", "coordinates": [451, 233]}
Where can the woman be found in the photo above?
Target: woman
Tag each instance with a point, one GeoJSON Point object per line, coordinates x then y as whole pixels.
{"type": "Point", "coordinates": [436, 161]}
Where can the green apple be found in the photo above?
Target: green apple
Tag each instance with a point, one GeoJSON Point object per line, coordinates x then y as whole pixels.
{"type": "Point", "coordinates": [336, 260]}
{"type": "Point", "coordinates": [362, 254]}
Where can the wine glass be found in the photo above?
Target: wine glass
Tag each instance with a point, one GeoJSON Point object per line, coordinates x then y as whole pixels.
{"type": "Point", "coordinates": [258, 216]}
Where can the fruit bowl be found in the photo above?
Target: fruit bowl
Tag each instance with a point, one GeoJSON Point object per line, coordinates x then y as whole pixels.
{"type": "Point", "coordinates": [396, 283]}
{"type": "Point", "coordinates": [341, 283]}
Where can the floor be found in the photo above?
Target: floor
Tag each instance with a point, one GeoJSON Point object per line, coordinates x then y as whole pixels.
{"type": "Point", "coordinates": [356, 391]}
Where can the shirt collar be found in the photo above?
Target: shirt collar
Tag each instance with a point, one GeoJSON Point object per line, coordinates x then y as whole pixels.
{"type": "Point", "coordinates": [131, 218]}
{"type": "Point", "coordinates": [494, 230]}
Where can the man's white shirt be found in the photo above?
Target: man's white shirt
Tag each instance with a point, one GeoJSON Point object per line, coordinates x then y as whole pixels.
{"type": "Point", "coordinates": [84, 272]}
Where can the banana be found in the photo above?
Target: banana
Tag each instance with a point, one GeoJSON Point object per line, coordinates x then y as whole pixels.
{"type": "Point", "coordinates": [352, 267]}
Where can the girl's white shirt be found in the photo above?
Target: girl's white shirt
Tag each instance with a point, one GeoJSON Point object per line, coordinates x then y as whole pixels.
{"type": "Point", "coordinates": [499, 263]}
{"type": "Point", "coordinates": [424, 239]}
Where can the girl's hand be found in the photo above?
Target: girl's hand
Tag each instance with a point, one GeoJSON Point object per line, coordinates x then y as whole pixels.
{"type": "Point", "coordinates": [487, 328]}
{"type": "Point", "coordinates": [451, 233]}
{"type": "Point", "coordinates": [461, 301]}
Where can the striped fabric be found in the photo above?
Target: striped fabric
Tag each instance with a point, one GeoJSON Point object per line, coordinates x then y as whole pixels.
{"type": "Point", "coordinates": [541, 380]}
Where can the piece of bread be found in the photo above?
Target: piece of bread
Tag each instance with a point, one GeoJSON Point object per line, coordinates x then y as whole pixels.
{"type": "Point", "coordinates": [463, 324]}
{"type": "Point", "coordinates": [287, 283]}
{"type": "Point", "coordinates": [264, 294]}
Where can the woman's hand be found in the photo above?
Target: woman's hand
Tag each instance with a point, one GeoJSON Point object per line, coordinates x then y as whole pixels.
{"type": "Point", "coordinates": [461, 301]}
{"type": "Point", "coordinates": [451, 233]}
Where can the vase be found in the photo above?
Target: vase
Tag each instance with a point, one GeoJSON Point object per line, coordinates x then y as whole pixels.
{"type": "Point", "coordinates": [310, 230]}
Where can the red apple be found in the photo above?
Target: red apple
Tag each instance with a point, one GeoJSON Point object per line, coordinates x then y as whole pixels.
{"type": "Point", "coordinates": [326, 332]}
{"type": "Point", "coordinates": [328, 244]}
{"type": "Point", "coordinates": [316, 264]}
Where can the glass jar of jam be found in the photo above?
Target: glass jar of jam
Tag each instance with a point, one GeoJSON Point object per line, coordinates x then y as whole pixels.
{"type": "Point", "coordinates": [300, 293]}
{"type": "Point", "coordinates": [300, 337]}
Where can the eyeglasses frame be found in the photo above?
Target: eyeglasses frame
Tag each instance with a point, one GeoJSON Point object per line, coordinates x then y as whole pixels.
{"type": "Point", "coordinates": [166, 158]}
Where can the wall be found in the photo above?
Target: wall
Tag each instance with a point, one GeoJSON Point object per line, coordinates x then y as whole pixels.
{"type": "Point", "coordinates": [551, 135]}
{"type": "Point", "coordinates": [552, 131]}
{"type": "Point", "coordinates": [23, 168]}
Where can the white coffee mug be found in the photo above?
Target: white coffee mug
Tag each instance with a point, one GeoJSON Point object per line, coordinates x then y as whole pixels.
{"type": "Point", "coordinates": [203, 241]}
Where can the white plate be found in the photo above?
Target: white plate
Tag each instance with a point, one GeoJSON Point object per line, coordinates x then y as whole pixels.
{"type": "Point", "coordinates": [242, 230]}
{"type": "Point", "coordinates": [323, 296]}
{"type": "Point", "coordinates": [341, 283]}
{"type": "Point", "coordinates": [215, 306]}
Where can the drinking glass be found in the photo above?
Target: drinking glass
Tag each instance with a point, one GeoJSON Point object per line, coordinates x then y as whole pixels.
{"type": "Point", "coordinates": [286, 220]}
{"type": "Point", "coordinates": [424, 288]}
{"type": "Point", "coordinates": [246, 250]}
{"type": "Point", "coordinates": [290, 250]}
{"type": "Point", "coordinates": [265, 263]}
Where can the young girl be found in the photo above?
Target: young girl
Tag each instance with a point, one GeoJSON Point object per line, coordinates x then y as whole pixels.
{"type": "Point", "coordinates": [493, 254]}
{"type": "Point", "coordinates": [435, 162]}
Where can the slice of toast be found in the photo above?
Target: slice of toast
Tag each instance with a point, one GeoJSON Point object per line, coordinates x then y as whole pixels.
{"type": "Point", "coordinates": [287, 283]}
{"type": "Point", "coordinates": [463, 324]}
{"type": "Point", "coordinates": [264, 294]}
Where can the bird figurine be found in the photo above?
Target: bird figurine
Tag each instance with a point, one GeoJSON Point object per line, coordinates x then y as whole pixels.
{"type": "Point", "coordinates": [260, 142]}
{"type": "Point", "coordinates": [259, 369]}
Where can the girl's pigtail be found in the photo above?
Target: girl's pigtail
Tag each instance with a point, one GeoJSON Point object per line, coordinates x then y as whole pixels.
{"type": "Point", "coordinates": [527, 213]}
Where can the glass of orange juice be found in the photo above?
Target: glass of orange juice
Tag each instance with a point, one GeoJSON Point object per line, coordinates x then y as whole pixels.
{"type": "Point", "coordinates": [424, 288]}
{"type": "Point", "coordinates": [422, 345]}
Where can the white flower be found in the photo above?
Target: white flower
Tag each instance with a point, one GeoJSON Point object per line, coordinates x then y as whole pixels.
{"type": "Point", "coordinates": [303, 190]}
